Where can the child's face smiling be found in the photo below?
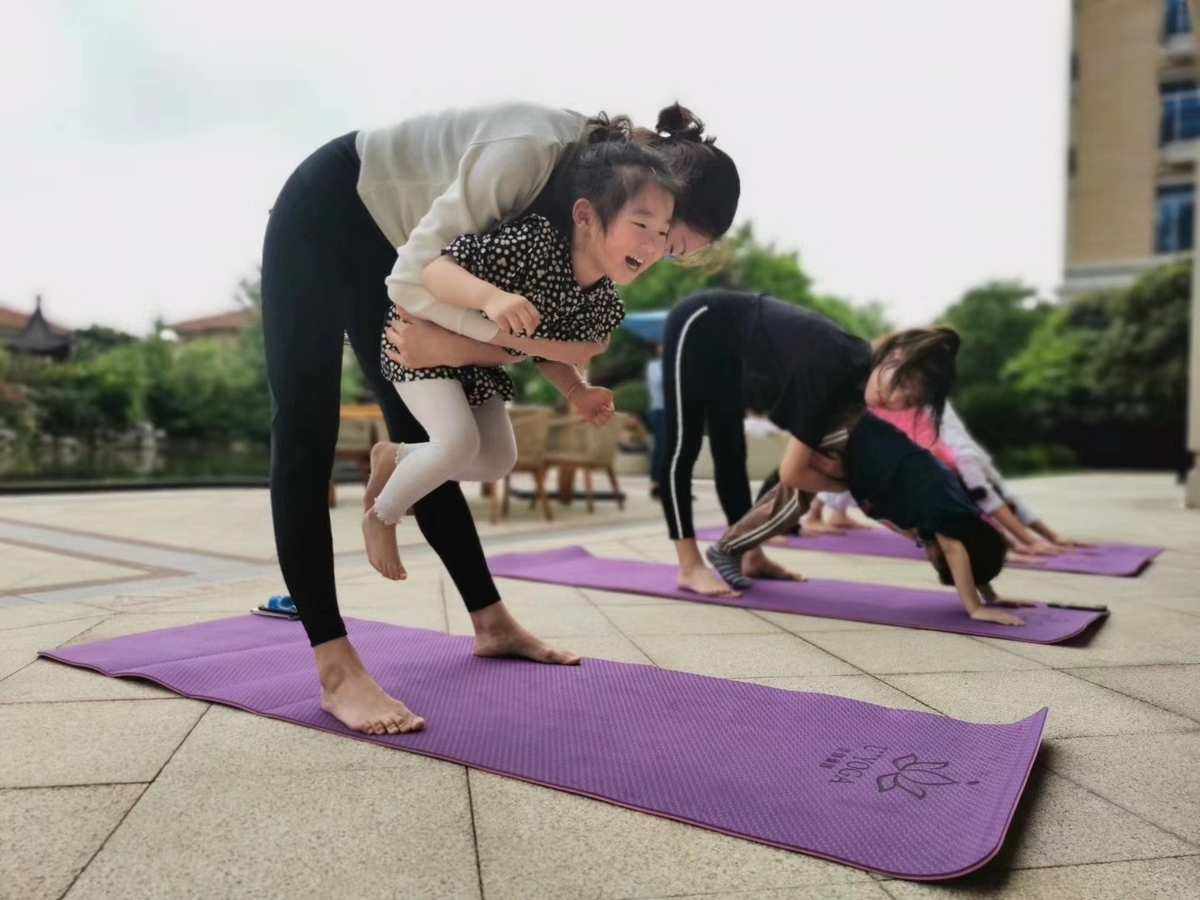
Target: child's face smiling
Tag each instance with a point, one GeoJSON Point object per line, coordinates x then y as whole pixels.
{"type": "Point", "coordinates": [637, 235]}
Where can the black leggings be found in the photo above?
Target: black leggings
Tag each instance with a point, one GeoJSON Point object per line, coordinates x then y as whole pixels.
{"type": "Point", "coordinates": [702, 386]}
{"type": "Point", "coordinates": [324, 264]}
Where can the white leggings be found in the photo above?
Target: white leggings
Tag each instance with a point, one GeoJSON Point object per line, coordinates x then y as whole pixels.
{"type": "Point", "coordinates": [465, 444]}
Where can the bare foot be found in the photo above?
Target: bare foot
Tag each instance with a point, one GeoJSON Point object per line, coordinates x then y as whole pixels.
{"type": "Point", "coordinates": [845, 522]}
{"type": "Point", "coordinates": [383, 463]}
{"type": "Point", "coordinates": [382, 551]}
{"type": "Point", "coordinates": [756, 565]}
{"type": "Point", "coordinates": [354, 698]}
{"type": "Point", "coordinates": [703, 580]}
{"type": "Point", "coordinates": [816, 526]}
{"type": "Point", "coordinates": [497, 633]}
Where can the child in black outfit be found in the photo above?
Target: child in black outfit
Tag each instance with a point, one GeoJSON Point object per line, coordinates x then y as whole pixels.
{"type": "Point", "coordinates": [896, 481]}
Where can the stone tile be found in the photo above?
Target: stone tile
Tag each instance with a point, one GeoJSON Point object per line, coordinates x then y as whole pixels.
{"type": "Point", "coordinates": [682, 617]}
{"type": "Point", "coordinates": [856, 687]}
{"type": "Point", "coordinates": [46, 744]}
{"type": "Point", "coordinates": [12, 661]}
{"type": "Point", "coordinates": [48, 636]}
{"type": "Point", "coordinates": [32, 613]}
{"type": "Point", "coordinates": [899, 650]}
{"type": "Point", "coordinates": [233, 743]}
{"type": "Point", "coordinates": [742, 655]}
{"type": "Point", "coordinates": [537, 842]}
{"type": "Point", "coordinates": [120, 624]}
{"type": "Point", "coordinates": [49, 834]}
{"type": "Point", "coordinates": [1159, 879]}
{"type": "Point", "coordinates": [616, 648]}
{"type": "Point", "coordinates": [1060, 823]}
{"type": "Point", "coordinates": [1152, 775]}
{"type": "Point", "coordinates": [1176, 688]}
{"type": "Point", "coordinates": [29, 568]}
{"type": "Point", "coordinates": [797, 624]}
{"type": "Point", "coordinates": [1135, 636]}
{"type": "Point", "coordinates": [46, 681]}
{"type": "Point", "coordinates": [376, 833]}
{"type": "Point", "coordinates": [1076, 707]}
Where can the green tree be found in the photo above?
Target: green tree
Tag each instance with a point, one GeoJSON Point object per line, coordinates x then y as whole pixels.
{"type": "Point", "coordinates": [1107, 373]}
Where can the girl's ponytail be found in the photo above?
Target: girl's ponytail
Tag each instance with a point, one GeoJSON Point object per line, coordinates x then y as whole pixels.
{"type": "Point", "coordinates": [926, 361]}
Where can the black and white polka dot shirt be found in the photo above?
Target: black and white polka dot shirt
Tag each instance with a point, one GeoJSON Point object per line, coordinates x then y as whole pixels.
{"type": "Point", "coordinates": [528, 257]}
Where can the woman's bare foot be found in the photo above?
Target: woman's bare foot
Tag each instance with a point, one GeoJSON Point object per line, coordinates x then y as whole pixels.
{"type": "Point", "coordinates": [497, 633]}
{"type": "Point", "coordinates": [382, 551]}
{"type": "Point", "coordinates": [703, 580]}
{"type": "Point", "coordinates": [756, 565]}
{"type": "Point", "coordinates": [354, 698]}
{"type": "Point", "coordinates": [383, 463]}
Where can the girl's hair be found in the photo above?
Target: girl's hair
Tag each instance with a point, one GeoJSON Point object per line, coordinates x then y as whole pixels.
{"type": "Point", "coordinates": [924, 360]}
{"type": "Point", "coordinates": [608, 168]}
{"type": "Point", "coordinates": [708, 177]}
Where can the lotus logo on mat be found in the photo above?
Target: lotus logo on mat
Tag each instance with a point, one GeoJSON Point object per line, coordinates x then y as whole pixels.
{"type": "Point", "coordinates": [913, 776]}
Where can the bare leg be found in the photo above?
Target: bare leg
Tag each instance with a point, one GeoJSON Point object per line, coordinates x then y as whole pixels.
{"type": "Point", "coordinates": [695, 576]}
{"type": "Point", "coordinates": [354, 698]}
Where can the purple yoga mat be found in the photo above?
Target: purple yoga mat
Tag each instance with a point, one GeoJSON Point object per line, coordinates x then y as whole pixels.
{"type": "Point", "coordinates": [878, 603]}
{"type": "Point", "coordinates": [1122, 560]}
{"type": "Point", "coordinates": [908, 794]}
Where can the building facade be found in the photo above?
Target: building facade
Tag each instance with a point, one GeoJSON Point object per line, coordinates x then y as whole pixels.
{"type": "Point", "coordinates": [1134, 133]}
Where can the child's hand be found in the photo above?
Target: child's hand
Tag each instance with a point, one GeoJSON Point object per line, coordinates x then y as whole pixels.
{"type": "Point", "coordinates": [512, 312]}
{"type": "Point", "coordinates": [593, 404]}
{"type": "Point", "coordinates": [998, 616]}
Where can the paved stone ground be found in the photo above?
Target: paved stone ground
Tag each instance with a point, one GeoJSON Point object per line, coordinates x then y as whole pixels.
{"type": "Point", "coordinates": [117, 789]}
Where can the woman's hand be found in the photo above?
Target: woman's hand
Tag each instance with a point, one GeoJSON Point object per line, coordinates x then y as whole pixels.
{"type": "Point", "coordinates": [512, 312]}
{"type": "Point", "coordinates": [418, 344]}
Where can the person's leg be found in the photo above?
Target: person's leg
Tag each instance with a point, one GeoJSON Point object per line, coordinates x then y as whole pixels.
{"type": "Point", "coordinates": [443, 514]}
{"type": "Point", "coordinates": [304, 291]}
{"type": "Point", "coordinates": [441, 407]}
{"type": "Point", "coordinates": [658, 455]}
{"type": "Point", "coordinates": [497, 443]}
{"type": "Point", "coordinates": [688, 354]}
{"type": "Point", "coordinates": [727, 441]}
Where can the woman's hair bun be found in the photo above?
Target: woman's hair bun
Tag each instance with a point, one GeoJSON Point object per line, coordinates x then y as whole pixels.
{"type": "Point", "coordinates": [604, 128]}
{"type": "Point", "coordinates": [679, 123]}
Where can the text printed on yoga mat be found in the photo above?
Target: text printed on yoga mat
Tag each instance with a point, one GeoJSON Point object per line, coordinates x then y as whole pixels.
{"type": "Point", "coordinates": [911, 775]}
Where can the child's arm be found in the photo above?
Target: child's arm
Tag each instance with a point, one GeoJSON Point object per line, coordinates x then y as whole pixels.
{"type": "Point", "coordinates": [801, 470]}
{"type": "Point", "coordinates": [593, 404]}
{"type": "Point", "coordinates": [1027, 542]}
{"type": "Point", "coordinates": [959, 563]}
{"type": "Point", "coordinates": [451, 283]}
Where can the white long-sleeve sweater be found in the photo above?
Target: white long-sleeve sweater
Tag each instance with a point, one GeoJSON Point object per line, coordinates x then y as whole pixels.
{"type": "Point", "coordinates": [431, 178]}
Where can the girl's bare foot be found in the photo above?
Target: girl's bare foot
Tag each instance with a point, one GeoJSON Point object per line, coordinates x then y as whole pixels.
{"type": "Point", "coordinates": [382, 551]}
{"type": "Point", "coordinates": [844, 521]}
{"type": "Point", "coordinates": [756, 565]}
{"type": "Point", "coordinates": [354, 698]}
{"type": "Point", "coordinates": [383, 463]}
{"type": "Point", "coordinates": [497, 633]}
{"type": "Point", "coordinates": [703, 580]}
{"type": "Point", "coordinates": [814, 526]}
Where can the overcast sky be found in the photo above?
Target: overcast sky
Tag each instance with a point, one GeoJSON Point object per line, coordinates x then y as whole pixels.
{"type": "Point", "coordinates": [907, 150]}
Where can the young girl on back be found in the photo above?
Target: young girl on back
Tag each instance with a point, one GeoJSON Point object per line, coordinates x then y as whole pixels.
{"type": "Point", "coordinates": [550, 274]}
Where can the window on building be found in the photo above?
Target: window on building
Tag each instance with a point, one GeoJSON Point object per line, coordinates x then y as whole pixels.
{"type": "Point", "coordinates": [1179, 18]}
{"type": "Point", "coordinates": [1173, 231]}
{"type": "Point", "coordinates": [1180, 112]}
